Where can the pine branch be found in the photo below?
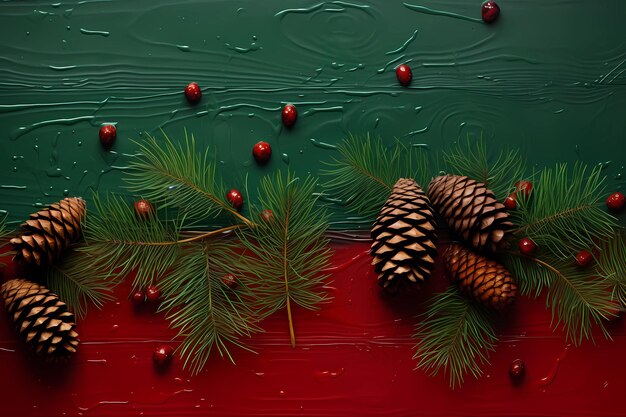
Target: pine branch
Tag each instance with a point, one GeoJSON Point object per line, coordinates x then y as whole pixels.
{"type": "Point", "coordinates": [471, 160]}
{"type": "Point", "coordinates": [206, 312]}
{"type": "Point", "coordinates": [288, 253]}
{"type": "Point", "coordinates": [611, 265]}
{"type": "Point", "coordinates": [575, 297]}
{"type": "Point", "coordinates": [455, 336]}
{"type": "Point", "coordinates": [74, 281]}
{"type": "Point", "coordinates": [564, 213]}
{"type": "Point", "coordinates": [180, 177]}
{"type": "Point", "coordinates": [366, 171]}
{"type": "Point", "coordinates": [119, 243]}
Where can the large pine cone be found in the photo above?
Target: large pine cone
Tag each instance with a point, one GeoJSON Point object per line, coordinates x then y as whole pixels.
{"type": "Point", "coordinates": [404, 237]}
{"type": "Point", "coordinates": [471, 210]}
{"type": "Point", "coordinates": [49, 232]}
{"type": "Point", "coordinates": [41, 319]}
{"type": "Point", "coordinates": [480, 278]}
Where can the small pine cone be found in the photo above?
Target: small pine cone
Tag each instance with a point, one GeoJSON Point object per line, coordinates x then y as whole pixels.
{"type": "Point", "coordinates": [404, 237]}
{"type": "Point", "coordinates": [480, 278]}
{"type": "Point", "coordinates": [49, 232]}
{"type": "Point", "coordinates": [41, 319]}
{"type": "Point", "coordinates": [471, 210]}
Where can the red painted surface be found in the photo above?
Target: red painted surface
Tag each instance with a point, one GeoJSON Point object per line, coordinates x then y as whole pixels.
{"type": "Point", "coordinates": [353, 358]}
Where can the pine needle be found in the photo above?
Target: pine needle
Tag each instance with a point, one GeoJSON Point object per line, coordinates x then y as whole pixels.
{"type": "Point", "coordinates": [564, 213]}
{"type": "Point", "coordinates": [364, 175]}
{"type": "Point", "coordinates": [472, 160]}
{"type": "Point", "coordinates": [288, 253]}
{"type": "Point", "coordinates": [577, 300]}
{"type": "Point", "coordinates": [206, 312]}
{"type": "Point", "coordinates": [74, 281]}
{"type": "Point", "coordinates": [455, 336]}
{"type": "Point", "coordinates": [611, 265]}
{"type": "Point", "coordinates": [180, 177]}
{"type": "Point", "coordinates": [119, 243]}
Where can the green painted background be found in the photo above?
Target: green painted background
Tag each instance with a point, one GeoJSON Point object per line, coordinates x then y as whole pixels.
{"type": "Point", "coordinates": [549, 77]}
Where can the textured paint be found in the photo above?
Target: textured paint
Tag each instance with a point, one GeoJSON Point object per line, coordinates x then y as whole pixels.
{"type": "Point", "coordinates": [353, 359]}
{"type": "Point", "coordinates": [543, 78]}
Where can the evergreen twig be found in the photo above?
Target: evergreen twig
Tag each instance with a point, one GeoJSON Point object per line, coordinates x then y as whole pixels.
{"type": "Point", "coordinates": [455, 335]}
{"type": "Point", "coordinates": [364, 174]}
{"type": "Point", "coordinates": [611, 265]}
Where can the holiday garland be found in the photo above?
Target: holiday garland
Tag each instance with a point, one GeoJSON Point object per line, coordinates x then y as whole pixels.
{"type": "Point", "coordinates": [560, 216]}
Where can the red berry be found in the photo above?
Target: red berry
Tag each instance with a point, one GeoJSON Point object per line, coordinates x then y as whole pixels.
{"type": "Point", "coordinates": [490, 11]}
{"type": "Point", "coordinates": [262, 152]}
{"type": "Point", "coordinates": [193, 93]}
{"type": "Point", "coordinates": [290, 115]}
{"type": "Point", "coordinates": [153, 293]}
{"type": "Point", "coordinates": [584, 258]}
{"type": "Point", "coordinates": [517, 369]}
{"type": "Point", "coordinates": [108, 133]}
{"type": "Point", "coordinates": [143, 209]}
{"type": "Point", "coordinates": [616, 202]}
{"type": "Point", "coordinates": [527, 246]}
{"type": "Point", "coordinates": [267, 215]}
{"type": "Point", "coordinates": [524, 186]}
{"type": "Point", "coordinates": [229, 280]}
{"type": "Point", "coordinates": [162, 355]}
{"type": "Point", "coordinates": [404, 74]}
{"type": "Point", "coordinates": [139, 296]}
{"type": "Point", "coordinates": [235, 199]}
{"type": "Point", "coordinates": [511, 202]}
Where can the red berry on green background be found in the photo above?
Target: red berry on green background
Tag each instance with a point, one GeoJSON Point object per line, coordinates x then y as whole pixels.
{"type": "Point", "coordinates": [153, 293]}
{"type": "Point", "coordinates": [616, 202]}
{"type": "Point", "coordinates": [404, 74]}
{"type": "Point", "coordinates": [511, 202]}
{"type": "Point", "coordinates": [143, 209]}
{"type": "Point", "coordinates": [517, 369]}
{"type": "Point", "coordinates": [289, 115]}
{"type": "Point", "coordinates": [267, 215]}
{"type": "Point", "coordinates": [262, 152]}
{"type": "Point", "coordinates": [139, 296]}
{"type": "Point", "coordinates": [527, 246]}
{"type": "Point", "coordinates": [193, 92]}
{"type": "Point", "coordinates": [490, 11]}
{"type": "Point", "coordinates": [524, 187]}
{"type": "Point", "coordinates": [108, 133]}
{"type": "Point", "coordinates": [235, 199]}
{"type": "Point", "coordinates": [229, 280]}
{"type": "Point", "coordinates": [584, 258]}
{"type": "Point", "coordinates": [162, 355]}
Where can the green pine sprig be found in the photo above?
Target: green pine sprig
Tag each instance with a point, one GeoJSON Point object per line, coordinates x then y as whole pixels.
{"type": "Point", "coordinates": [180, 177]}
{"type": "Point", "coordinates": [455, 336]}
{"type": "Point", "coordinates": [576, 298]}
{"type": "Point", "coordinates": [364, 173]}
{"type": "Point", "coordinates": [564, 212]}
{"type": "Point", "coordinates": [118, 242]}
{"type": "Point", "coordinates": [207, 313]}
{"type": "Point", "coordinates": [288, 252]}
{"type": "Point", "coordinates": [611, 265]}
{"type": "Point", "coordinates": [499, 174]}
{"type": "Point", "coordinates": [74, 281]}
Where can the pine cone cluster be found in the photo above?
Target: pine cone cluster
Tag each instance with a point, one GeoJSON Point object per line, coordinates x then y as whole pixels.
{"type": "Point", "coordinates": [404, 237]}
{"type": "Point", "coordinates": [480, 278]}
{"type": "Point", "coordinates": [41, 319]}
{"type": "Point", "coordinates": [49, 232]}
{"type": "Point", "coordinates": [471, 210]}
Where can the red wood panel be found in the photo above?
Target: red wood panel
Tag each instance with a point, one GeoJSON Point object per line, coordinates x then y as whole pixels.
{"type": "Point", "coordinates": [353, 358]}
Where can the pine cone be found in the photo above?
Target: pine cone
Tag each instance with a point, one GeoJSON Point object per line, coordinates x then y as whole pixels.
{"type": "Point", "coordinates": [471, 210]}
{"type": "Point", "coordinates": [404, 237]}
{"type": "Point", "coordinates": [480, 278]}
{"type": "Point", "coordinates": [49, 232]}
{"type": "Point", "coordinates": [41, 319]}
